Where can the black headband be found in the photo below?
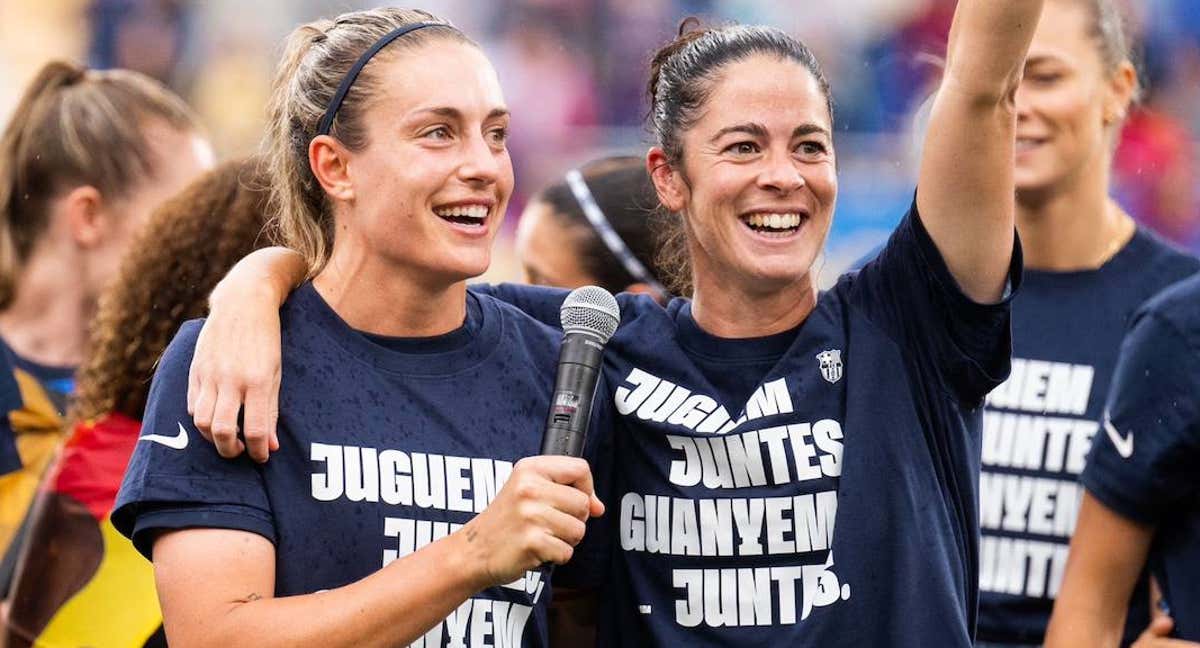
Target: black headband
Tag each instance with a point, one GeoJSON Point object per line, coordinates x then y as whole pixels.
{"type": "Point", "coordinates": [335, 104]}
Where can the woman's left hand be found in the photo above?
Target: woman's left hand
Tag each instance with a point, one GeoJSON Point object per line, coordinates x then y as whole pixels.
{"type": "Point", "coordinates": [237, 361]}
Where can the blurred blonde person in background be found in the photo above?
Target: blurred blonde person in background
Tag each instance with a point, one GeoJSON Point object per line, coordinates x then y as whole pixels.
{"type": "Point", "coordinates": [79, 582]}
{"type": "Point", "coordinates": [84, 159]}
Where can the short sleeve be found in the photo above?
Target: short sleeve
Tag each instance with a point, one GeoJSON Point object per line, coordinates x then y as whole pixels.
{"type": "Point", "coordinates": [175, 478]}
{"type": "Point", "coordinates": [1143, 460]}
{"type": "Point", "coordinates": [909, 292]}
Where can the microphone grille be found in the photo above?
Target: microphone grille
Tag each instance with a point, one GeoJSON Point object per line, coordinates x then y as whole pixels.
{"type": "Point", "coordinates": [592, 310]}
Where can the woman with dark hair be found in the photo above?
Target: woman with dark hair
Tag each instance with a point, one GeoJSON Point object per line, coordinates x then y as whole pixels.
{"type": "Point", "coordinates": [79, 582]}
{"type": "Point", "coordinates": [599, 225]}
{"type": "Point", "coordinates": [392, 513]}
{"type": "Point", "coordinates": [85, 157]}
{"type": "Point", "coordinates": [752, 417]}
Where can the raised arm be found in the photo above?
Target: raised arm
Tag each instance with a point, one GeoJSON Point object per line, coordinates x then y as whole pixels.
{"type": "Point", "coordinates": [237, 358]}
{"type": "Point", "coordinates": [216, 585]}
{"type": "Point", "coordinates": [965, 188]}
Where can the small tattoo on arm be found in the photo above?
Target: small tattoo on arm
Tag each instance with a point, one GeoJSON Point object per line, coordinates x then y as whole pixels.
{"type": "Point", "coordinates": [471, 533]}
{"type": "Point", "coordinates": [251, 597]}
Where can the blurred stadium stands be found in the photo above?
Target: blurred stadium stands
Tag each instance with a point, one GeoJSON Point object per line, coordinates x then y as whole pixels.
{"type": "Point", "coordinates": [573, 72]}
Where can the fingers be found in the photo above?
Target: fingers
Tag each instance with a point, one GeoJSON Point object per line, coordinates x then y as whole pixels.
{"type": "Point", "coordinates": [261, 415]}
{"type": "Point", "coordinates": [202, 409]}
{"type": "Point", "coordinates": [224, 424]}
{"type": "Point", "coordinates": [1155, 636]}
{"type": "Point", "coordinates": [569, 471]}
{"type": "Point", "coordinates": [564, 527]}
{"type": "Point", "coordinates": [1160, 626]}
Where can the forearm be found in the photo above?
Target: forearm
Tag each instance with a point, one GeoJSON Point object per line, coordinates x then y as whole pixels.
{"type": "Point", "coordinates": [965, 191]}
{"type": "Point", "coordinates": [391, 607]}
{"type": "Point", "coordinates": [271, 272]}
{"type": "Point", "coordinates": [988, 43]}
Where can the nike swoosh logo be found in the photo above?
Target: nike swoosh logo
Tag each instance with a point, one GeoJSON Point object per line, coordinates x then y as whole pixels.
{"type": "Point", "coordinates": [177, 442]}
{"type": "Point", "coordinates": [1123, 444]}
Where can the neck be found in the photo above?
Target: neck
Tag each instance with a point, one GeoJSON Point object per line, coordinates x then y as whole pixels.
{"type": "Point", "coordinates": [378, 297]}
{"type": "Point", "coordinates": [1072, 227]}
{"type": "Point", "coordinates": [47, 321]}
{"type": "Point", "coordinates": [726, 309]}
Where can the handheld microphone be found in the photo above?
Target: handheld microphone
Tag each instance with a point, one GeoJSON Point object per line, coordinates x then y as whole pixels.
{"type": "Point", "coordinates": [589, 317]}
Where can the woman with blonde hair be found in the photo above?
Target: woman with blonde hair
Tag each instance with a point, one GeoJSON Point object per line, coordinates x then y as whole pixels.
{"type": "Point", "coordinates": [104, 593]}
{"type": "Point", "coordinates": [402, 505]}
{"type": "Point", "coordinates": [84, 159]}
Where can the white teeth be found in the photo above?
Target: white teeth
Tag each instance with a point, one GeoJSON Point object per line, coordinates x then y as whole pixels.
{"type": "Point", "coordinates": [781, 222]}
{"type": "Point", "coordinates": [477, 212]}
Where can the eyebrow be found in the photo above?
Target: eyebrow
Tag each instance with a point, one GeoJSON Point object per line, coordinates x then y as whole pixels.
{"type": "Point", "coordinates": [749, 128]}
{"type": "Point", "coordinates": [1041, 58]}
{"type": "Point", "coordinates": [758, 130]}
{"type": "Point", "coordinates": [454, 113]}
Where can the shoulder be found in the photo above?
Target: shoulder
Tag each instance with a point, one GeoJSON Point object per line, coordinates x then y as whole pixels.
{"type": "Point", "coordinates": [634, 306]}
{"type": "Point", "coordinates": [1162, 257]}
{"type": "Point", "coordinates": [1178, 306]}
{"type": "Point", "coordinates": [182, 347]}
{"type": "Point", "coordinates": [515, 319]}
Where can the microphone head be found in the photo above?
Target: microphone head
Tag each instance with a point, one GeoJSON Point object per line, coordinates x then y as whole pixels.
{"type": "Point", "coordinates": [591, 310]}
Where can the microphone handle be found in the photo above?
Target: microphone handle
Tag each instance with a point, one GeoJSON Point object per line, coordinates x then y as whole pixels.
{"type": "Point", "coordinates": [575, 383]}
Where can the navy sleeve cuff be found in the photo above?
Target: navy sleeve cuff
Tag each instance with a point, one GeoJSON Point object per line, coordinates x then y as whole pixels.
{"type": "Point", "coordinates": [167, 517]}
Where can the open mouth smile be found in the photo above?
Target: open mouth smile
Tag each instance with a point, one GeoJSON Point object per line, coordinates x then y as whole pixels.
{"type": "Point", "coordinates": [774, 225]}
{"type": "Point", "coordinates": [469, 217]}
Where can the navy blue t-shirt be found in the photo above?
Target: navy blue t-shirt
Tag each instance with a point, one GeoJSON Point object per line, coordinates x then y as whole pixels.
{"type": "Point", "coordinates": [386, 444]}
{"type": "Point", "coordinates": [1146, 466]}
{"type": "Point", "coordinates": [1039, 425]}
{"type": "Point", "coordinates": [733, 460]}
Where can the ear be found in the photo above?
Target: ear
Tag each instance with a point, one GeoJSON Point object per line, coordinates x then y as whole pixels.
{"type": "Point", "coordinates": [329, 160]}
{"type": "Point", "coordinates": [86, 216]}
{"type": "Point", "coordinates": [1122, 86]}
{"type": "Point", "coordinates": [668, 182]}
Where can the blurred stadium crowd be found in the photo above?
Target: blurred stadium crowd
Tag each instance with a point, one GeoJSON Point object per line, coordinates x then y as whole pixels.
{"type": "Point", "coordinates": [573, 73]}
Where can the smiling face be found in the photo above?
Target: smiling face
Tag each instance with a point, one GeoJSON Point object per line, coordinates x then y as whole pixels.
{"type": "Point", "coordinates": [430, 187]}
{"type": "Point", "coordinates": [1068, 103]}
{"type": "Point", "coordinates": [756, 183]}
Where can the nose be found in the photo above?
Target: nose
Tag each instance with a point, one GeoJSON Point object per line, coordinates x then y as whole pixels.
{"type": "Point", "coordinates": [1021, 101]}
{"type": "Point", "coordinates": [781, 174]}
{"type": "Point", "coordinates": [481, 165]}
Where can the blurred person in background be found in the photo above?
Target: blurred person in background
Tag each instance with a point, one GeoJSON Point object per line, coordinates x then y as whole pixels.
{"type": "Point", "coordinates": [600, 225]}
{"type": "Point", "coordinates": [78, 581]}
{"type": "Point", "coordinates": [84, 159]}
{"type": "Point", "coordinates": [1088, 268]}
{"type": "Point", "coordinates": [1141, 508]}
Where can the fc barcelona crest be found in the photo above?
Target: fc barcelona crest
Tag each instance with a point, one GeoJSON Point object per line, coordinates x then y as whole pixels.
{"type": "Point", "coordinates": [831, 364]}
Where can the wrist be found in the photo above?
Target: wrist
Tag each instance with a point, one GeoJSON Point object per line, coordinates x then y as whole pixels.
{"type": "Point", "coordinates": [465, 558]}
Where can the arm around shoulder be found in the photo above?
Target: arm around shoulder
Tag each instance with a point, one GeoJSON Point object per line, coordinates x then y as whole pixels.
{"type": "Point", "coordinates": [237, 361]}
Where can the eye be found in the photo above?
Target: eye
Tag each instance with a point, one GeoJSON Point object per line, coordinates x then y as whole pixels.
{"type": "Point", "coordinates": [439, 133]}
{"type": "Point", "coordinates": [742, 148]}
{"type": "Point", "coordinates": [498, 136]}
{"type": "Point", "coordinates": [811, 149]}
{"type": "Point", "coordinates": [1045, 78]}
